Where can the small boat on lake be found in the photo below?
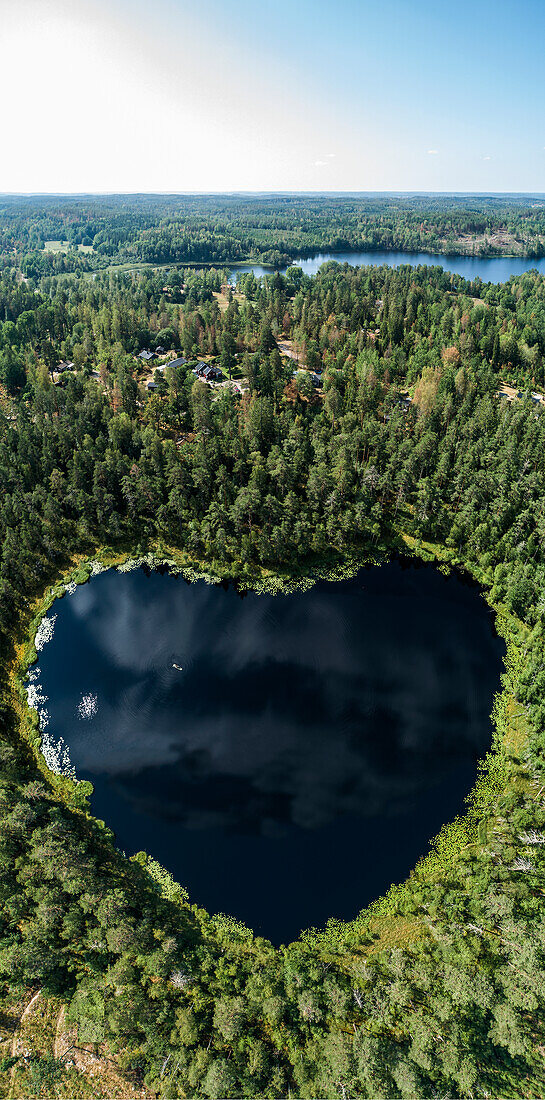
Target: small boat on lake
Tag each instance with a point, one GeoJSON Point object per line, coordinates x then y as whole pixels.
{"type": "Point", "coordinates": [179, 667]}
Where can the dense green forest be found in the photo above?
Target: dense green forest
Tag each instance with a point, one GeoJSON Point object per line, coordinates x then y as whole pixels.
{"type": "Point", "coordinates": [97, 231]}
{"type": "Point", "coordinates": [401, 440]}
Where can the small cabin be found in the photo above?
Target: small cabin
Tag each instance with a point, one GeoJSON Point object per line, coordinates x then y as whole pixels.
{"type": "Point", "coordinates": [208, 373]}
{"type": "Point", "coordinates": [212, 374]}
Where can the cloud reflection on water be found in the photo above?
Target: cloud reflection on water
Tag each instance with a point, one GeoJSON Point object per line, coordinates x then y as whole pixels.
{"type": "Point", "coordinates": [351, 699]}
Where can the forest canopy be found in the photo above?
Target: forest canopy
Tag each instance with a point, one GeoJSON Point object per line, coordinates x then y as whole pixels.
{"type": "Point", "coordinates": [354, 413]}
{"type": "Point", "coordinates": [53, 234]}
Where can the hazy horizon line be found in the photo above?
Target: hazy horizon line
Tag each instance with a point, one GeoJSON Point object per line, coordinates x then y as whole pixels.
{"type": "Point", "coordinates": [283, 192]}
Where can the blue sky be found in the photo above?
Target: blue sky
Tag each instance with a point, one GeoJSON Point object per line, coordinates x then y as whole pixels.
{"type": "Point", "coordinates": [248, 95]}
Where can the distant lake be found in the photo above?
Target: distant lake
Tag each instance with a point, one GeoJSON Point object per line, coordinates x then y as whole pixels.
{"type": "Point", "coordinates": [497, 269]}
{"type": "Point", "coordinates": [307, 751]}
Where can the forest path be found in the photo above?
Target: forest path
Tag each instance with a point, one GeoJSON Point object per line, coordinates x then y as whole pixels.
{"type": "Point", "coordinates": [60, 1022]}
{"type": "Point", "coordinates": [17, 1036]}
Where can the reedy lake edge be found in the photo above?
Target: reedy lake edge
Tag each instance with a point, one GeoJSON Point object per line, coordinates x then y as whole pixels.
{"type": "Point", "coordinates": [394, 912]}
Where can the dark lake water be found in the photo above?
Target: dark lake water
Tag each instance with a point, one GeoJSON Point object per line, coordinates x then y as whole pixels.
{"type": "Point", "coordinates": [497, 269]}
{"type": "Point", "coordinates": [308, 750]}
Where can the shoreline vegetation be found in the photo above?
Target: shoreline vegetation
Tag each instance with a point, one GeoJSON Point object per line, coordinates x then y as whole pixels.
{"type": "Point", "coordinates": [286, 262]}
{"type": "Point", "coordinates": [292, 262]}
{"type": "Point", "coordinates": [493, 771]}
{"type": "Point", "coordinates": [396, 920]}
{"type": "Point", "coordinates": [105, 232]}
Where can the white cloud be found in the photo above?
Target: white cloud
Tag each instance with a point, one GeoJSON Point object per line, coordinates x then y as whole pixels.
{"type": "Point", "coordinates": [487, 158]}
{"type": "Point", "coordinates": [320, 163]}
{"type": "Point", "coordinates": [433, 152]}
{"type": "Point", "coordinates": [159, 719]}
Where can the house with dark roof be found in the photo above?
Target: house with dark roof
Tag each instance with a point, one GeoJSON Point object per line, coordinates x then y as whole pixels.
{"type": "Point", "coordinates": [146, 356]}
{"type": "Point", "coordinates": [212, 374]}
{"type": "Point", "coordinates": [208, 373]}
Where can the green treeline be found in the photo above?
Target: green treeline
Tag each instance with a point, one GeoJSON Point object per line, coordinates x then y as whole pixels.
{"type": "Point", "coordinates": [442, 990]}
{"type": "Point", "coordinates": [273, 229]}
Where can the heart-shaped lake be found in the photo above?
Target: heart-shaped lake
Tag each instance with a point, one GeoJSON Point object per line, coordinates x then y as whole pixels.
{"type": "Point", "coordinates": [285, 757]}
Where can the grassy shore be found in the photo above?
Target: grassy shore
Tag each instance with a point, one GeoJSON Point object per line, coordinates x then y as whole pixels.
{"type": "Point", "coordinates": [394, 921]}
{"type": "Point", "coordinates": [394, 915]}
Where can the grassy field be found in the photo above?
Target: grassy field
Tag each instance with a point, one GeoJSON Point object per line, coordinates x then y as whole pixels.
{"type": "Point", "coordinates": [223, 300]}
{"type": "Point", "coordinates": [64, 246]}
{"type": "Point", "coordinates": [56, 246]}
